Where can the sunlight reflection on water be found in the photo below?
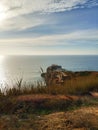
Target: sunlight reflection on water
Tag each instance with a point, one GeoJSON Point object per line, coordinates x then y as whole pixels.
{"type": "Point", "coordinates": [2, 72]}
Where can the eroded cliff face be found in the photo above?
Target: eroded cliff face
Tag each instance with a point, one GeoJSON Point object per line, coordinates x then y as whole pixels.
{"type": "Point", "coordinates": [55, 74]}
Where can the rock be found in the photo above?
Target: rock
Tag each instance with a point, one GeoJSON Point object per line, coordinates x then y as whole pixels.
{"type": "Point", "coordinates": [55, 74]}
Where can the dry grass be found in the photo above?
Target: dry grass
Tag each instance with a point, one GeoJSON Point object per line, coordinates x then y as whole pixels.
{"type": "Point", "coordinates": [77, 85]}
{"type": "Point", "coordinates": [85, 118]}
{"type": "Point", "coordinates": [81, 119]}
{"type": "Point", "coordinates": [46, 98]}
{"type": "Point", "coordinates": [41, 104]}
{"type": "Point", "coordinates": [23, 104]}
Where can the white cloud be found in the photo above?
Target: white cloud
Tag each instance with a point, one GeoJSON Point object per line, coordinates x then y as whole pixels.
{"type": "Point", "coordinates": [53, 40]}
{"type": "Point", "coordinates": [11, 11]}
{"type": "Point", "coordinates": [19, 7]}
{"type": "Point", "coordinates": [47, 44]}
{"type": "Point", "coordinates": [21, 23]}
{"type": "Point", "coordinates": [78, 35]}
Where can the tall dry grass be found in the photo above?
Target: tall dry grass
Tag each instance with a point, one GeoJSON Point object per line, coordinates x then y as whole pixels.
{"type": "Point", "coordinates": [75, 86]}
{"type": "Point", "coordinates": [78, 85]}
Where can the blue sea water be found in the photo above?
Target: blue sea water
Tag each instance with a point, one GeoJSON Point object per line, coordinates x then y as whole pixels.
{"type": "Point", "coordinates": [13, 68]}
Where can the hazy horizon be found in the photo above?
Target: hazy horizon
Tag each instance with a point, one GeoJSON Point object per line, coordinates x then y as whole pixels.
{"type": "Point", "coordinates": [49, 55]}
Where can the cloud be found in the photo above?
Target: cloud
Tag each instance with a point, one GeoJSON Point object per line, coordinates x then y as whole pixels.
{"type": "Point", "coordinates": [15, 12]}
{"type": "Point", "coordinates": [21, 23]}
{"type": "Point", "coordinates": [20, 7]}
{"type": "Point", "coordinates": [54, 40]}
{"type": "Point", "coordinates": [79, 42]}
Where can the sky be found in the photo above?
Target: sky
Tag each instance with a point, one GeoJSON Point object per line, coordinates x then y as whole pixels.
{"type": "Point", "coordinates": [48, 27]}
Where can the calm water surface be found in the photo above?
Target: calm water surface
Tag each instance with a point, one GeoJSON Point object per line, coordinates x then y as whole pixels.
{"type": "Point", "coordinates": [13, 68]}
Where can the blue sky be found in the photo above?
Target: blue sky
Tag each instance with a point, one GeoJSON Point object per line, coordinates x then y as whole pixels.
{"type": "Point", "coordinates": [48, 27]}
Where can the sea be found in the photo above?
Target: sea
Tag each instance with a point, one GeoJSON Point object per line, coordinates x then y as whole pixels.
{"type": "Point", "coordinates": [13, 68]}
